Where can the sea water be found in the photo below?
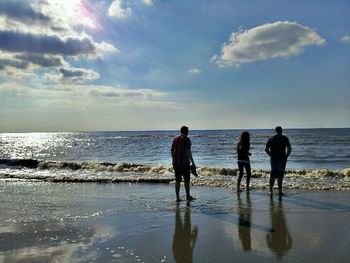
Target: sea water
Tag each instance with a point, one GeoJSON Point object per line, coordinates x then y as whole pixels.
{"type": "Point", "coordinates": [320, 155]}
{"type": "Point", "coordinates": [46, 222]}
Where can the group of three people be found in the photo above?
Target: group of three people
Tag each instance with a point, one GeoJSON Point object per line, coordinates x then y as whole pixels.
{"type": "Point", "coordinates": [277, 147]}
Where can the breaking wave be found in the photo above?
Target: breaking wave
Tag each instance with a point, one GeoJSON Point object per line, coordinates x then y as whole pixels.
{"type": "Point", "coordinates": [103, 172]}
{"type": "Point", "coordinates": [158, 169]}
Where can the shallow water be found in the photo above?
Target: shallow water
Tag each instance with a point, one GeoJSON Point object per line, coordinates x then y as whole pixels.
{"type": "Point", "coordinates": [128, 222]}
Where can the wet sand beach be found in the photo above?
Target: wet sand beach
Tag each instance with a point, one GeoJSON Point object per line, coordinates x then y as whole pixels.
{"type": "Point", "coordinates": [136, 222]}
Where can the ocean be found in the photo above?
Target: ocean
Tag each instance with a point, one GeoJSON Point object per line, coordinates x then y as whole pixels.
{"type": "Point", "coordinates": [81, 197]}
{"type": "Point", "coordinates": [317, 155]}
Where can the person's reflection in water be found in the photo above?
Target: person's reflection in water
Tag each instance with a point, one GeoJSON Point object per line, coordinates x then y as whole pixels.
{"type": "Point", "coordinates": [278, 240]}
{"type": "Point", "coordinates": [184, 236]}
{"type": "Point", "coordinates": [244, 212]}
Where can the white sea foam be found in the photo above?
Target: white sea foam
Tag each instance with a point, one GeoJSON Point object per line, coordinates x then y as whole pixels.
{"type": "Point", "coordinates": [207, 171]}
{"type": "Point", "coordinates": [100, 172]}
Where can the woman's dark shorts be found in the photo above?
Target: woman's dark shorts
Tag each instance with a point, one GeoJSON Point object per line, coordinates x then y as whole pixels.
{"type": "Point", "coordinates": [182, 171]}
{"type": "Point", "coordinates": [246, 166]}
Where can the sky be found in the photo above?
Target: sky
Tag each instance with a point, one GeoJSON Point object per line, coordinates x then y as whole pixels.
{"type": "Point", "coordinates": [104, 65]}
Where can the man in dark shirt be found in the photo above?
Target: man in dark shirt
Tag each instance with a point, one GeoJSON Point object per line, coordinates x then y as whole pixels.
{"type": "Point", "coordinates": [182, 158]}
{"type": "Point", "coordinates": [276, 148]}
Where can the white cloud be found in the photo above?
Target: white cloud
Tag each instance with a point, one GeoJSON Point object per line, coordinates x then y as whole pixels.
{"type": "Point", "coordinates": [11, 88]}
{"type": "Point", "coordinates": [82, 91]}
{"type": "Point", "coordinates": [76, 96]}
{"type": "Point", "coordinates": [103, 47]}
{"type": "Point", "coordinates": [115, 92]}
{"type": "Point", "coordinates": [47, 17]}
{"type": "Point", "coordinates": [273, 40]}
{"type": "Point", "coordinates": [148, 2]}
{"type": "Point", "coordinates": [116, 10]}
{"type": "Point", "coordinates": [346, 39]}
{"type": "Point", "coordinates": [194, 71]}
{"type": "Point", "coordinates": [17, 75]}
{"type": "Point", "coordinates": [119, 10]}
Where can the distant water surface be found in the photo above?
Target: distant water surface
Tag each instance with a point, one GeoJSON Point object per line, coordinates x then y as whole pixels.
{"type": "Point", "coordinates": [312, 148]}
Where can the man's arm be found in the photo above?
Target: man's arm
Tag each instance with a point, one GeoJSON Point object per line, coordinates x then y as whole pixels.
{"type": "Point", "coordinates": [189, 155]}
{"type": "Point", "coordinates": [267, 148]}
{"type": "Point", "coordinates": [172, 152]}
{"type": "Point", "coordinates": [289, 150]}
{"type": "Point", "coordinates": [172, 157]}
{"type": "Point", "coordinates": [188, 150]}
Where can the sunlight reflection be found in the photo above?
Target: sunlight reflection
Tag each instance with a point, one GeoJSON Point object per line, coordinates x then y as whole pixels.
{"type": "Point", "coordinates": [39, 145]}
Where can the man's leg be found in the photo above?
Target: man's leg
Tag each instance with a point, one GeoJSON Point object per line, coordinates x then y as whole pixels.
{"type": "Point", "coordinates": [280, 182]}
{"type": "Point", "coordinates": [281, 169]}
{"type": "Point", "coordinates": [186, 175]}
{"type": "Point", "coordinates": [272, 176]}
{"type": "Point", "coordinates": [187, 188]}
{"type": "Point", "coordinates": [177, 190]}
{"type": "Point", "coordinates": [177, 183]}
{"type": "Point", "coordinates": [272, 182]}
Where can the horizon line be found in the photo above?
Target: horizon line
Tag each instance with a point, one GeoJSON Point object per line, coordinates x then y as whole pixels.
{"type": "Point", "coordinates": [174, 130]}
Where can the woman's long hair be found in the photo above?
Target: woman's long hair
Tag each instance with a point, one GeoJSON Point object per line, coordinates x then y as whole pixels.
{"type": "Point", "coordinates": [244, 140]}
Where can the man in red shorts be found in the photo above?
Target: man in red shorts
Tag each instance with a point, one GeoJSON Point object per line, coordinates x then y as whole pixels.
{"type": "Point", "coordinates": [276, 148]}
{"type": "Point", "coordinates": [182, 158]}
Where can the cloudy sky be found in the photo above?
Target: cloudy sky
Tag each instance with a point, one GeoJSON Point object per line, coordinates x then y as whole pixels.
{"type": "Point", "coordinates": [72, 65]}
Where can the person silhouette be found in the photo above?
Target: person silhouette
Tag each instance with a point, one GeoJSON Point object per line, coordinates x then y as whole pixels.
{"type": "Point", "coordinates": [244, 222]}
{"type": "Point", "coordinates": [182, 157]}
{"type": "Point", "coordinates": [243, 161]}
{"type": "Point", "coordinates": [276, 148]}
{"type": "Point", "coordinates": [278, 239]}
{"type": "Point", "coordinates": [185, 237]}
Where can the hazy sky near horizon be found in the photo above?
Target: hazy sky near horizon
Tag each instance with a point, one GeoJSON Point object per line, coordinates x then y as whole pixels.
{"type": "Point", "coordinates": [76, 65]}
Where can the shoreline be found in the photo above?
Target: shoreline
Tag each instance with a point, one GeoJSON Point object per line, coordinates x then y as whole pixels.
{"type": "Point", "coordinates": [68, 222]}
{"type": "Point", "coordinates": [294, 179]}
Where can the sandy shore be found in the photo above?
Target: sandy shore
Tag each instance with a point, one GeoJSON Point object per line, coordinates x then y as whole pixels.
{"type": "Point", "coordinates": [89, 222]}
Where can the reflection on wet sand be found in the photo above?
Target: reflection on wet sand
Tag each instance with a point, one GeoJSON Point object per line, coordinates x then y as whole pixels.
{"type": "Point", "coordinates": [42, 241]}
{"type": "Point", "coordinates": [184, 236]}
{"type": "Point", "coordinates": [279, 239]}
{"type": "Point", "coordinates": [244, 222]}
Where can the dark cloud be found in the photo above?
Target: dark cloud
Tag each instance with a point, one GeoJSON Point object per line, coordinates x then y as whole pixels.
{"type": "Point", "coordinates": [26, 39]}
{"type": "Point", "coordinates": [22, 11]}
{"type": "Point", "coordinates": [40, 60]}
{"type": "Point", "coordinates": [12, 63]}
{"type": "Point", "coordinates": [22, 42]}
{"type": "Point", "coordinates": [22, 61]}
{"type": "Point", "coordinates": [78, 74]}
{"type": "Point", "coordinates": [71, 73]}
